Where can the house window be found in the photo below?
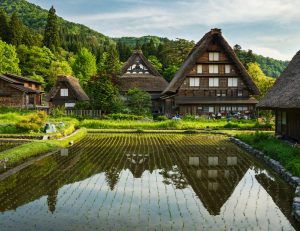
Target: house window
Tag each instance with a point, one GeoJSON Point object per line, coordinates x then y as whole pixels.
{"type": "Point", "coordinates": [69, 105]}
{"type": "Point", "coordinates": [199, 69]}
{"type": "Point", "coordinates": [213, 69]}
{"type": "Point", "coordinates": [232, 82]}
{"type": "Point", "coordinates": [194, 161]}
{"type": "Point", "coordinates": [214, 56]}
{"type": "Point", "coordinates": [218, 93]}
{"type": "Point", "coordinates": [213, 186]}
{"type": "Point", "coordinates": [211, 109]}
{"type": "Point", "coordinates": [283, 118]}
{"type": "Point", "coordinates": [240, 93]}
{"type": "Point", "coordinates": [213, 160]}
{"type": "Point", "coordinates": [224, 93]}
{"type": "Point", "coordinates": [194, 82]}
{"type": "Point", "coordinates": [231, 160]}
{"type": "Point", "coordinates": [64, 92]}
{"type": "Point", "coordinates": [213, 82]}
{"type": "Point", "coordinates": [212, 173]}
{"type": "Point", "coordinates": [227, 69]}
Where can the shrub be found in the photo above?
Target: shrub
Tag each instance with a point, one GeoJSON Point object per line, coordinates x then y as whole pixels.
{"type": "Point", "coordinates": [57, 112]}
{"type": "Point", "coordinates": [120, 116]}
{"type": "Point", "coordinates": [231, 125]}
{"type": "Point", "coordinates": [161, 118]}
{"type": "Point", "coordinates": [32, 122]}
{"type": "Point", "coordinates": [189, 117]}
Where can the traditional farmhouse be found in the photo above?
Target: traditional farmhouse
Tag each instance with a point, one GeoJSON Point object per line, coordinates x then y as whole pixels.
{"type": "Point", "coordinates": [211, 80]}
{"type": "Point", "coordinates": [66, 92]}
{"type": "Point", "coordinates": [284, 99]}
{"type": "Point", "coordinates": [17, 91]}
{"type": "Point", "coordinates": [138, 72]}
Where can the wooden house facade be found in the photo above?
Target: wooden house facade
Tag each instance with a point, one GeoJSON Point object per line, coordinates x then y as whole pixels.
{"type": "Point", "coordinates": [139, 73]}
{"type": "Point", "coordinates": [211, 80]}
{"type": "Point", "coordinates": [66, 92]}
{"type": "Point", "coordinates": [21, 92]}
{"type": "Point", "coordinates": [284, 99]}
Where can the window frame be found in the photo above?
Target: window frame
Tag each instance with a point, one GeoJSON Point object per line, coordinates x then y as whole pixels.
{"type": "Point", "coordinates": [64, 92]}
{"type": "Point", "coordinates": [215, 81]}
{"type": "Point", "coordinates": [194, 80]}
{"type": "Point", "coordinates": [230, 82]}
{"type": "Point", "coordinates": [213, 69]}
{"type": "Point", "coordinates": [213, 56]}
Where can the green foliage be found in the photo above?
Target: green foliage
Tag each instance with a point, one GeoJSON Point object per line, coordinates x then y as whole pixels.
{"type": "Point", "coordinates": [139, 102]}
{"type": "Point", "coordinates": [109, 63]}
{"type": "Point", "coordinates": [169, 72]}
{"type": "Point", "coordinates": [16, 30]}
{"type": "Point", "coordinates": [120, 116]}
{"type": "Point", "coordinates": [287, 155]}
{"type": "Point", "coordinates": [35, 61]}
{"type": "Point", "coordinates": [155, 62]}
{"type": "Point", "coordinates": [104, 95]}
{"type": "Point", "coordinates": [57, 112]}
{"type": "Point", "coordinates": [51, 37]}
{"type": "Point", "coordinates": [161, 118]}
{"type": "Point", "coordinates": [9, 62]}
{"type": "Point", "coordinates": [263, 82]}
{"type": "Point", "coordinates": [58, 68]}
{"type": "Point", "coordinates": [4, 28]}
{"type": "Point", "coordinates": [84, 65]}
{"type": "Point", "coordinates": [124, 51]}
{"type": "Point", "coordinates": [270, 67]}
{"type": "Point", "coordinates": [32, 122]}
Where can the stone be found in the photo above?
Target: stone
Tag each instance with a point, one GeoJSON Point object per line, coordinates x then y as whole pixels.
{"type": "Point", "coordinates": [295, 180]}
{"type": "Point", "coordinates": [296, 199]}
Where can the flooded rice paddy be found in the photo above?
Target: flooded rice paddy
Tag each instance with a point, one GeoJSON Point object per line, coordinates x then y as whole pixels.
{"type": "Point", "coordinates": [147, 182]}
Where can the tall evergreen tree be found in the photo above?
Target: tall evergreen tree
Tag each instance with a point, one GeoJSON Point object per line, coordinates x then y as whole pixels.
{"type": "Point", "coordinates": [3, 26]}
{"type": "Point", "coordinates": [51, 36]}
{"type": "Point", "coordinates": [16, 30]}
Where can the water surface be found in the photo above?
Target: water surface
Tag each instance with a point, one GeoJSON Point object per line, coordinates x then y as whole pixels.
{"type": "Point", "coordinates": [147, 182]}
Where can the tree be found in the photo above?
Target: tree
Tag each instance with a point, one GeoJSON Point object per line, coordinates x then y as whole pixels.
{"type": "Point", "coordinates": [139, 102]}
{"type": "Point", "coordinates": [169, 72]}
{"type": "Point", "coordinates": [104, 95]}
{"type": "Point", "coordinates": [263, 82]}
{"type": "Point", "coordinates": [84, 65]}
{"type": "Point", "coordinates": [9, 62]}
{"type": "Point", "coordinates": [4, 28]}
{"type": "Point", "coordinates": [58, 68]}
{"type": "Point", "coordinates": [109, 63]}
{"type": "Point", "coordinates": [16, 30]}
{"type": "Point", "coordinates": [35, 61]}
{"type": "Point", "coordinates": [155, 62]}
{"type": "Point", "coordinates": [51, 36]}
{"type": "Point", "coordinates": [124, 51]}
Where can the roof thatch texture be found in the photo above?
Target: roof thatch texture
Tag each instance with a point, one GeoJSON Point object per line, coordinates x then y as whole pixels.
{"type": "Point", "coordinates": [72, 83]}
{"type": "Point", "coordinates": [151, 81]}
{"type": "Point", "coordinates": [198, 50]}
{"type": "Point", "coordinates": [286, 90]}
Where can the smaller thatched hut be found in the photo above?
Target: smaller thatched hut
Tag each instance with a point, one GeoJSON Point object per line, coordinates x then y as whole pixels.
{"type": "Point", "coordinates": [284, 99]}
{"type": "Point", "coordinates": [66, 92]}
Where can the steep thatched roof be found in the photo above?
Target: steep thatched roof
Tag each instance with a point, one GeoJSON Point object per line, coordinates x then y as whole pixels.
{"type": "Point", "coordinates": [286, 91]}
{"type": "Point", "coordinates": [198, 50]}
{"type": "Point", "coordinates": [150, 81]}
{"type": "Point", "coordinates": [73, 85]}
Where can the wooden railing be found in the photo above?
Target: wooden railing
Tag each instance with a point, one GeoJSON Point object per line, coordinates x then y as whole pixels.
{"type": "Point", "coordinates": [91, 113]}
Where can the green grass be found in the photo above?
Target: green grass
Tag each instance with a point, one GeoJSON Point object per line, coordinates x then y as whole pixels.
{"type": "Point", "coordinates": [20, 153]}
{"type": "Point", "coordinates": [172, 125]}
{"type": "Point", "coordinates": [278, 150]}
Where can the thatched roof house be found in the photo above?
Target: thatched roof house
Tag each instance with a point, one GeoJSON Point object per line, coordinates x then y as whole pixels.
{"type": "Point", "coordinates": [138, 72]}
{"type": "Point", "coordinates": [66, 92]}
{"type": "Point", "coordinates": [284, 98]}
{"type": "Point", "coordinates": [18, 91]}
{"type": "Point", "coordinates": [211, 80]}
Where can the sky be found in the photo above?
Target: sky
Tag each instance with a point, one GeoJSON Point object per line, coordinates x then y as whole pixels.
{"type": "Point", "coordinates": [268, 27]}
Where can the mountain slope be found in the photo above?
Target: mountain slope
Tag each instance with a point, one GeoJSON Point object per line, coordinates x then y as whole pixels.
{"type": "Point", "coordinates": [35, 17]}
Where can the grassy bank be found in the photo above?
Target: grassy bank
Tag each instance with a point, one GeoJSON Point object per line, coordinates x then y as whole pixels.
{"type": "Point", "coordinates": [278, 150]}
{"type": "Point", "coordinates": [20, 153]}
{"type": "Point", "coordinates": [173, 125]}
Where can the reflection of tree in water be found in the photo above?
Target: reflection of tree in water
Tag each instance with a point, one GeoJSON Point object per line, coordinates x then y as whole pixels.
{"type": "Point", "coordinates": [175, 177]}
{"type": "Point", "coordinates": [52, 200]}
{"type": "Point", "coordinates": [112, 177]}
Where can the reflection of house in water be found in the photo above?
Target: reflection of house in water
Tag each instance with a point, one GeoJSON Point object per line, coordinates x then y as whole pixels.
{"type": "Point", "coordinates": [214, 176]}
{"type": "Point", "coordinates": [137, 164]}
